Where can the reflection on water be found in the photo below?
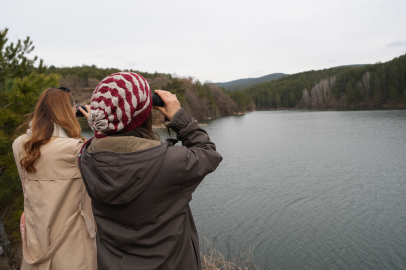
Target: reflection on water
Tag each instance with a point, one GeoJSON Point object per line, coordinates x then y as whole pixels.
{"type": "Point", "coordinates": [309, 190]}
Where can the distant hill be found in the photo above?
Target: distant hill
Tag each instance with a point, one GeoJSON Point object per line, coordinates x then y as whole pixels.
{"type": "Point", "coordinates": [356, 65]}
{"type": "Point", "coordinates": [245, 83]}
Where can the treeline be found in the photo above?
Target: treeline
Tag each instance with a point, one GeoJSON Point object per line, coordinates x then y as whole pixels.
{"type": "Point", "coordinates": [369, 86]}
{"type": "Point", "coordinates": [86, 72]}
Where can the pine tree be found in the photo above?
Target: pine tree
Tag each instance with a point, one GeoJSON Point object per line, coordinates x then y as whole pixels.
{"type": "Point", "coordinates": [13, 58]}
{"type": "Point", "coordinates": [18, 98]}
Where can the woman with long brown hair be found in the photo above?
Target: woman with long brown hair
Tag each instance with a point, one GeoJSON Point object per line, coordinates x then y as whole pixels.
{"type": "Point", "coordinates": [59, 229]}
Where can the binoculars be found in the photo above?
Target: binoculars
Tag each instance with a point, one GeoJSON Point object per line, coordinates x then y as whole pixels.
{"type": "Point", "coordinates": [157, 100]}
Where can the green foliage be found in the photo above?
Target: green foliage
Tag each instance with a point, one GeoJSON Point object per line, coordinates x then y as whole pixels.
{"type": "Point", "coordinates": [277, 100]}
{"type": "Point", "coordinates": [175, 86]}
{"type": "Point", "coordinates": [240, 99]}
{"type": "Point", "coordinates": [17, 99]}
{"type": "Point", "coordinates": [392, 92]}
{"type": "Point", "coordinates": [12, 222]}
{"type": "Point", "coordinates": [205, 92]}
{"type": "Point", "coordinates": [13, 58]}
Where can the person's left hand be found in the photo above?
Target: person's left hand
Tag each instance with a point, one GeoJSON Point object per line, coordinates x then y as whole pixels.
{"type": "Point", "coordinates": [86, 114]}
{"type": "Point", "coordinates": [171, 104]}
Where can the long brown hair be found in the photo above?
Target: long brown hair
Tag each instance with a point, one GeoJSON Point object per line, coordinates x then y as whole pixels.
{"type": "Point", "coordinates": [54, 106]}
{"type": "Point", "coordinates": [146, 129]}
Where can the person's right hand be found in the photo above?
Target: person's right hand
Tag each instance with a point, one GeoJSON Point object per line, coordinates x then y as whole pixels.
{"type": "Point", "coordinates": [172, 104]}
{"type": "Point", "coordinates": [85, 114]}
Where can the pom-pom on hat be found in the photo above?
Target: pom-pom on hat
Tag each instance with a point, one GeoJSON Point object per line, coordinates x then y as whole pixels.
{"type": "Point", "coordinates": [121, 102]}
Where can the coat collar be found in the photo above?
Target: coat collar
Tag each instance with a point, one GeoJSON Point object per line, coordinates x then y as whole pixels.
{"type": "Point", "coordinates": [58, 131]}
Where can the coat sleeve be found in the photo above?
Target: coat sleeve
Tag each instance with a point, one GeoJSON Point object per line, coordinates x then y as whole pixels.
{"type": "Point", "coordinates": [199, 153]}
{"type": "Point", "coordinates": [17, 151]}
{"type": "Point", "coordinates": [76, 150]}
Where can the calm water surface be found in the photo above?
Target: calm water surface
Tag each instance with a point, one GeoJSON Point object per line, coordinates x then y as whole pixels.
{"type": "Point", "coordinates": [308, 190]}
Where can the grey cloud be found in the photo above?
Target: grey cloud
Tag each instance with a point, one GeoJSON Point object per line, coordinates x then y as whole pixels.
{"type": "Point", "coordinates": [397, 43]}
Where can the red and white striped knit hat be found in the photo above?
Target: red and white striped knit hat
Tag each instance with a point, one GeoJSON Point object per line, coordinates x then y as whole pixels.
{"type": "Point", "coordinates": [121, 102]}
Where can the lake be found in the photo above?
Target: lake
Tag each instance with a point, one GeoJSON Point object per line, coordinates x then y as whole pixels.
{"type": "Point", "coordinates": [308, 189]}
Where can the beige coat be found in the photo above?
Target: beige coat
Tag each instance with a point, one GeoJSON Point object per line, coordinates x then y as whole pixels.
{"type": "Point", "coordinates": [59, 226]}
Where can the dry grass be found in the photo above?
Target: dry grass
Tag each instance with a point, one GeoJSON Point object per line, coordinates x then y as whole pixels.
{"type": "Point", "coordinates": [212, 259]}
{"type": "Point", "coordinates": [13, 260]}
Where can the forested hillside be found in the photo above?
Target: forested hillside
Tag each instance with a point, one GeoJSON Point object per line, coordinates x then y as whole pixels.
{"type": "Point", "coordinates": [245, 83]}
{"type": "Point", "coordinates": [382, 85]}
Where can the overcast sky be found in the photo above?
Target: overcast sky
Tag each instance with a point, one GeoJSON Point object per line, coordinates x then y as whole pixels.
{"type": "Point", "coordinates": [210, 40]}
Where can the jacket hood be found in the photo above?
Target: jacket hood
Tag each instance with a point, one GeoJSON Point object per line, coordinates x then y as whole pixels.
{"type": "Point", "coordinates": [118, 178]}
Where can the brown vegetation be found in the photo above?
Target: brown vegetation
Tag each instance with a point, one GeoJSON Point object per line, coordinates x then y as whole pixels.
{"type": "Point", "coordinates": [225, 104]}
{"type": "Point", "coordinates": [81, 89]}
{"type": "Point", "coordinates": [212, 259]}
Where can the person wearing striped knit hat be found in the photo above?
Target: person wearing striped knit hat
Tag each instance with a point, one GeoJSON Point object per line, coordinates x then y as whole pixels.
{"type": "Point", "coordinates": [141, 187]}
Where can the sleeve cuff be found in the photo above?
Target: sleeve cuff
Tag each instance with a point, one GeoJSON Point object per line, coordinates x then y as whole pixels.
{"type": "Point", "coordinates": [179, 121]}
